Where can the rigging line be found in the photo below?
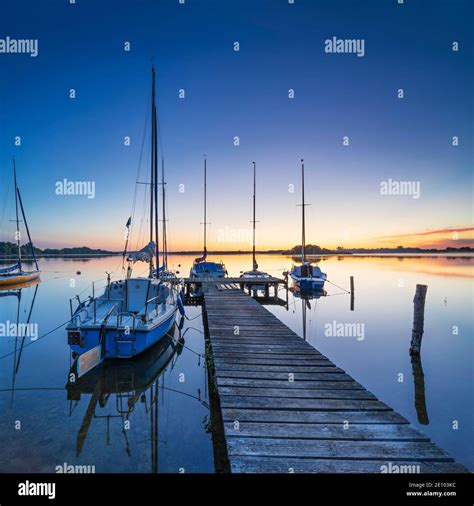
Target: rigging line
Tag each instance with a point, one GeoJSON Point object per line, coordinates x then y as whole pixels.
{"type": "Point", "coordinates": [6, 204]}
{"type": "Point", "coordinates": [145, 129]}
{"type": "Point", "coordinates": [192, 351]}
{"type": "Point", "coordinates": [194, 328]}
{"type": "Point", "coordinates": [160, 387]}
{"type": "Point", "coordinates": [204, 403]}
{"type": "Point", "coordinates": [162, 156]}
{"type": "Point", "coordinates": [143, 221]}
{"type": "Point", "coordinates": [337, 286]}
{"type": "Point", "coordinates": [41, 337]}
{"type": "Point", "coordinates": [193, 318]}
{"type": "Point", "coordinates": [158, 126]}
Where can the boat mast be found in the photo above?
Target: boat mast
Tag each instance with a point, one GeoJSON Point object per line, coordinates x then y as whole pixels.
{"type": "Point", "coordinates": [27, 229]}
{"type": "Point", "coordinates": [17, 234]}
{"type": "Point", "coordinates": [254, 260]}
{"type": "Point", "coordinates": [152, 165]}
{"type": "Point", "coordinates": [205, 207]}
{"type": "Point", "coordinates": [165, 240]}
{"type": "Point", "coordinates": [303, 227]}
{"type": "Point", "coordinates": [155, 177]}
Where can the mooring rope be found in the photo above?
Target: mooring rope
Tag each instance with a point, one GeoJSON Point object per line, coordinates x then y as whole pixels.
{"type": "Point", "coordinates": [337, 286]}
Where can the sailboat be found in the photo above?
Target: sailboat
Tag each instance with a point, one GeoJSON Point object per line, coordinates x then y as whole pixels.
{"type": "Point", "coordinates": [201, 267]}
{"type": "Point", "coordinates": [254, 273]}
{"type": "Point", "coordinates": [15, 274]}
{"type": "Point", "coordinates": [133, 313]}
{"type": "Point", "coordinates": [306, 276]}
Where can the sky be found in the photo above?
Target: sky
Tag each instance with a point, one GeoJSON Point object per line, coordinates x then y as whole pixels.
{"type": "Point", "coordinates": [242, 94]}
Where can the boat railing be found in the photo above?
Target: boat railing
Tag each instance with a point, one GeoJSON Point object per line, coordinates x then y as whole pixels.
{"type": "Point", "coordinates": [128, 314]}
{"type": "Point", "coordinates": [81, 306]}
{"type": "Point", "coordinates": [127, 331]}
{"type": "Point", "coordinates": [151, 300]}
{"type": "Point", "coordinates": [109, 313]}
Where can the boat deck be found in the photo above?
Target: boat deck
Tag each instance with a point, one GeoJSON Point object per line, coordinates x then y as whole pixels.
{"type": "Point", "coordinates": [287, 408]}
{"type": "Point", "coordinates": [104, 307]}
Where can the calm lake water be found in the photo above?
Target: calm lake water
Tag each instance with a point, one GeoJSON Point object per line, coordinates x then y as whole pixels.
{"type": "Point", "coordinates": [164, 395]}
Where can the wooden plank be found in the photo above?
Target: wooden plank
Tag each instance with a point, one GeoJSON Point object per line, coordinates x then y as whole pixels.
{"type": "Point", "coordinates": [289, 363]}
{"type": "Point", "coordinates": [350, 450]}
{"type": "Point", "coordinates": [283, 376]}
{"type": "Point", "coordinates": [266, 349]}
{"type": "Point", "coordinates": [234, 401]}
{"type": "Point", "coordinates": [356, 432]}
{"type": "Point", "coordinates": [250, 322]}
{"type": "Point", "coordinates": [295, 393]}
{"type": "Point", "coordinates": [239, 346]}
{"type": "Point", "coordinates": [225, 366]}
{"type": "Point", "coordinates": [251, 332]}
{"type": "Point", "coordinates": [290, 385]}
{"type": "Point", "coordinates": [268, 359]}
{"type": "Point", "coordinates": [216, 311]}
{"type": "Point", "coordinates": [246, 333]}
{"type": "Point", "coordinates": [299, 416]}
{"type": "Point", "coordinates": [262, 340]}
{"type": "Point", "coordinates": [251, 464]}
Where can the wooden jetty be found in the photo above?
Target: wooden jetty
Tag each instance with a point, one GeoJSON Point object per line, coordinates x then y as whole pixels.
{"type": "Point", "coordinates": [287, 408]}
{"type": "Point", "coordinates": [238, 282]}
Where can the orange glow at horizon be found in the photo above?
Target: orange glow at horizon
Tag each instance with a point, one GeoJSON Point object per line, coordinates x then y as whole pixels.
{"type": "Point", "coordinates": [240, 240]}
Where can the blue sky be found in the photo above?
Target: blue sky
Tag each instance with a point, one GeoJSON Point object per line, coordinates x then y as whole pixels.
{"type": "Point", "coordinates": [241, 94]}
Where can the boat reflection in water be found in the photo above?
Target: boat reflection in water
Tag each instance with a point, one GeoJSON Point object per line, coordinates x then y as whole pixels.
{"type": "Point", "coordinates": [15, 291]}
{"type": "Point", "coordinates": [306, 296]}
{"type": "Point", "coordinates": [135, 385]}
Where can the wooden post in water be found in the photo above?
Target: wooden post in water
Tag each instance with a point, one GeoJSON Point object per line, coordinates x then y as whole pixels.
{"type": "Point", "coordinates": [352, 293]}
{"type": "Point", "coordinates": [419, 383]}
{"type": "Point", "coordinates": [418, 318]}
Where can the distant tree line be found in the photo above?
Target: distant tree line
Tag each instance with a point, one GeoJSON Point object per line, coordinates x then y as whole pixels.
{"type": "Point", "coordinates": [10, 249]}
{"type": "Point", "coordinates": [313, 249]}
